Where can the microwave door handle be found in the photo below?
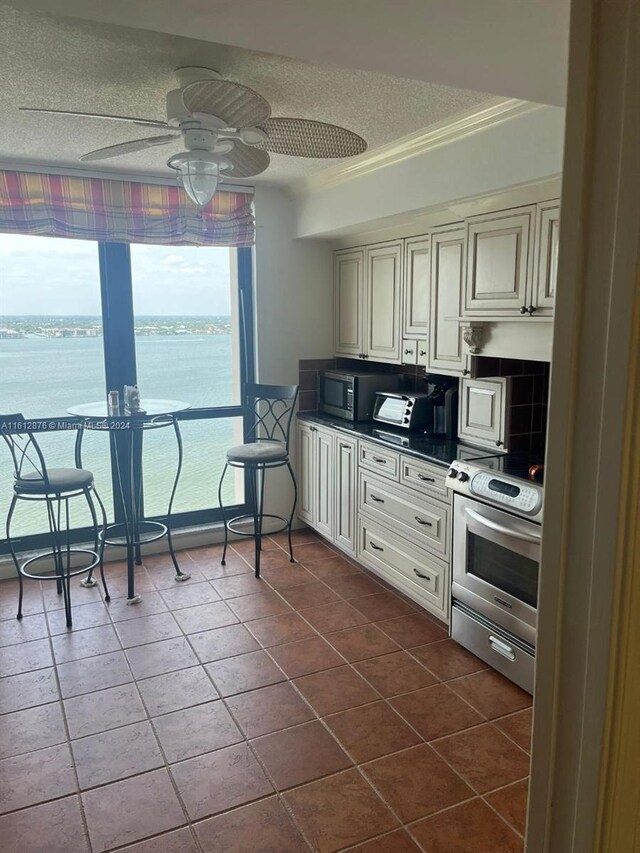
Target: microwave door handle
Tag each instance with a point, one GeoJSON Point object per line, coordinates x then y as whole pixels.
{"type": "Point", "coordinates": [492, 525]}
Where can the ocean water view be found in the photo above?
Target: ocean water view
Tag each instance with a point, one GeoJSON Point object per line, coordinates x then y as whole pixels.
{"type": "Point", "coordinates": [50, 364]}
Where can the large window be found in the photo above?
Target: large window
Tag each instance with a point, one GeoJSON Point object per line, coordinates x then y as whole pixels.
{"type": "Point", "coordinates": [78, 318]}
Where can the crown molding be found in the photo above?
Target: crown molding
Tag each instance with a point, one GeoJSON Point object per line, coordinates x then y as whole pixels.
{"type": "Point", "coordinates": [414, 144]}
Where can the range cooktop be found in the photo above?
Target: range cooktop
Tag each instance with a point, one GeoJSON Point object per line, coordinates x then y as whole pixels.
{"type": "Point", "coordinates": [522, 465]}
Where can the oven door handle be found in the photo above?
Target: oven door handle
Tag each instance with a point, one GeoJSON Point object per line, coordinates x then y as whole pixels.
{"type": "Point", "coordinates": [492, 525]}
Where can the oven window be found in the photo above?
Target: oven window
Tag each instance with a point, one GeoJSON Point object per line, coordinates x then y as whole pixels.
{"type": "Point", "coordinates": [333, 393]}
{"type": "Point", "coordinates": [505, 569]}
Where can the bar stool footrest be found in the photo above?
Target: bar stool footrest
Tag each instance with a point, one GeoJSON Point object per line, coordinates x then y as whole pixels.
{"type": "Point", "coordinates": [50, 555]}
{"type": "Point", "coordinates": [232, 523]}
{"type": "Point", "coordinates": [156, 530]}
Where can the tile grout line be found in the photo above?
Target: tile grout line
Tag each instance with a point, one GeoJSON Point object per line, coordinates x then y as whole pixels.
{"type": "Point", "coordinates": [83, 816]}
{"type": "Point", "coordinates": [316, 633]}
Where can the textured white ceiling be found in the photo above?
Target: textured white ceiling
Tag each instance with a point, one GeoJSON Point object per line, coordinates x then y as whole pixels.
{"type": "Point", "coordinates": [81, 65]}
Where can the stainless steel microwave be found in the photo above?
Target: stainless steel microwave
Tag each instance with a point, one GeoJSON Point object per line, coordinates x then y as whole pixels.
{"type": "Point", "coordinates": [352, 395]}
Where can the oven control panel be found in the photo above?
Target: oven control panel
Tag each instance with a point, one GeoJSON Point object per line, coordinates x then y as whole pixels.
{"type": "Point", "coordinates": [520, 496]}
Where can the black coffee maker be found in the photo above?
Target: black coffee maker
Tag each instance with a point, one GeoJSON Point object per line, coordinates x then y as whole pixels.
{"type": "Point", "coordinates": [442, 392]}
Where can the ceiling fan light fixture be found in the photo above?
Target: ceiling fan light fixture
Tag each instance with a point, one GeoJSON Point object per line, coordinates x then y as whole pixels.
{"type": "Point", "coordinates": [198, 174]}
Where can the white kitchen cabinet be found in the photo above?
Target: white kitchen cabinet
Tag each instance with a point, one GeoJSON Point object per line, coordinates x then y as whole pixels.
{"type": "Point", "coordinates": [446, 351]}
{"type": "Point", "coordinates": [346, 498]}
{"type": "Point", "coordinates": [545, 272]}
{"type": "Point", "coordinates": [482, 411]}
{"type": "Point", "coordinates": [417, 276]}
{"type": "Point", "coordinates": [324, 493]}
{"type": "Point", "coordinates": [499, 262]}
{"type": "Point", "coordinates": [315, 454]}
{"type": "Point", "coordinates": [368, 302]}
{"type": "Point", "coordinates": [349, 302]}
{"type": "Point", "coordinates": [383, 288]}
{"type": "Point", "coordinates": [387, 508]}
{"type": "Point", "coordinates": [418, 573]}
{"type": "Point", "coordinates": [409, 352]}
{"type": "Point", "coordinates": [422, 352]}
{"type": "Point", "coordinates": [305, 471]}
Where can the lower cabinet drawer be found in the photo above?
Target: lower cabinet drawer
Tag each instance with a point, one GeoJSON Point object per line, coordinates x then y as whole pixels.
{"type": "Point", "coordinates": [426, 520]}
{"type": "Point", "coordinates": [379, 459]}
{"type": "Point", "coordinates": [511, 659]}
{"type": "Point", "coordinates": [425, 478]}
{"type": "Point", "coordinates": [415, 571]}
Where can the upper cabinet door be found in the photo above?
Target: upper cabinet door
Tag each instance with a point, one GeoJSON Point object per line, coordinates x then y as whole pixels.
{"type": "Point", "coordinates": [349, 307]}
{"type": "Point", "coordinates": [546, 257]}
{"type": "Point", "coordinates": [445, 346]}
{"type": "Point", "coordinates": [417, 274]}
{"type": "Point", "coordinates": [383, 288]}
{"type": "Point", "coordinates": [499, 256]}
{"type": "Point", "coordinates": [481, 414]}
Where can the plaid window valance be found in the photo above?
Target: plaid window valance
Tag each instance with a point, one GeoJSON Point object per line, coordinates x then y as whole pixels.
{"type": "Point", "coordinates": [121, 211]}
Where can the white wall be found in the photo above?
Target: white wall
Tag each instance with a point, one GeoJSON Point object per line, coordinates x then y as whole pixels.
{"type": "Point", "coordinates": [293, 306]}
{"type": "Point", "coordinates": [524, 149]}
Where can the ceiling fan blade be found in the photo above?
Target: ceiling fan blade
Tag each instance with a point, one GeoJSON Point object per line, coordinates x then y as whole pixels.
{"type": "Point", "coordinates": [246, 161]}
{"type": "Point", "coordinates": [127, 147]}
{"type": "Point", "coordinates": [301, 137]}
{"type": "Point", "coordinates": [132, 120]}
{"type": "Point", "coordinates": [235, 104]}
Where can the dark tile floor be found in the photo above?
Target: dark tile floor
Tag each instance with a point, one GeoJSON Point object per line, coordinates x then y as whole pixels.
{"type": "Point", "coordinates": [311, 709]}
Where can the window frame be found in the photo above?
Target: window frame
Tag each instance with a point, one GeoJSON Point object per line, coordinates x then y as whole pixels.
{"type": "Point", "coordinates": [119, 358]}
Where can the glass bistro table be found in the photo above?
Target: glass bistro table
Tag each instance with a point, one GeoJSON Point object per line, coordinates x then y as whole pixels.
{"type": "Point", "coordinates": [125, 436]}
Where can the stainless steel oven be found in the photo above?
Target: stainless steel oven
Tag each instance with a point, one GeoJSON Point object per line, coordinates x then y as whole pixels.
{"type": "Point", "coordinates": [496, 559]}
{"type": "Point", "coordinates": [497, 536]}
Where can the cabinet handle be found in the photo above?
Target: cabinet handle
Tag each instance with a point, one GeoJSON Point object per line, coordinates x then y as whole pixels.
{"type": "Point", "coordinates": [420, 575]}
{"type": "Point", "coordinates": [377, 499]}
{"type": "Point", "coordinates": [502, 648]}
{"type": "Point", "coordinates": [313, 429]}
{"type": "Point", "coordinates": [531, 309]}
{"type": "Point", "coordinates": [379, 459]}
{"type": "Point", "coordinates": [523, 309]}
{"type": "Point", "coordinates": [422, 521]}
{"type": "Point", "coordinates": [422, 352]}
{"type": "Point", "coordinates": [375, 547]}
{"type": "Point", "coordinates": [426, 479]}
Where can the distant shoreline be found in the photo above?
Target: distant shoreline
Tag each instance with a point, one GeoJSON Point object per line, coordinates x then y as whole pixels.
{"type": "Point", "coordinates": [19, 327]}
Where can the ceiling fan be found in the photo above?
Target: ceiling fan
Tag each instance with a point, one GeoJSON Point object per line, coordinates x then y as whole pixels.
{"type": "Point", "coordinates": [227, 130]}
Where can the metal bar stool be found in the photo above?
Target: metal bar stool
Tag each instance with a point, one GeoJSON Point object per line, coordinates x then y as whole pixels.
{"type": "Point", "coordinates": [268, 412]}
{"type": "Point", "coordinates": [33, 481]}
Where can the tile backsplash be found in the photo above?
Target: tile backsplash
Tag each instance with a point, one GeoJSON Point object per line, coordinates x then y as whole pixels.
{"type": "Point", "coordinates": [527, 417]}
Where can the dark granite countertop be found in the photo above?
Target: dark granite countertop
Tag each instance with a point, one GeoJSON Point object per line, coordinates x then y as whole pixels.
{"type": "Point", "coordinates": [439, 451]}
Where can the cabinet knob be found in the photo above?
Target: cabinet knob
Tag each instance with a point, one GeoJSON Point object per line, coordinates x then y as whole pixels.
{"type": "Point", "coordinates": [422, 352]}
{"type": "Point", "coordinates": [531, 309]}
{"type": "Point", "coordinates": [499, 443]}
{"type": "Point", "coordinates": [409, 352]}
{"type": "Point", "coordinates": [523, 309]}
{"type": "Point", "coordinates": [466, 372]}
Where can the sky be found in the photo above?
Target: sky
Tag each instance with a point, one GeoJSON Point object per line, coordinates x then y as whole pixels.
{"type": "Point", "coordinates": [59, 277]}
